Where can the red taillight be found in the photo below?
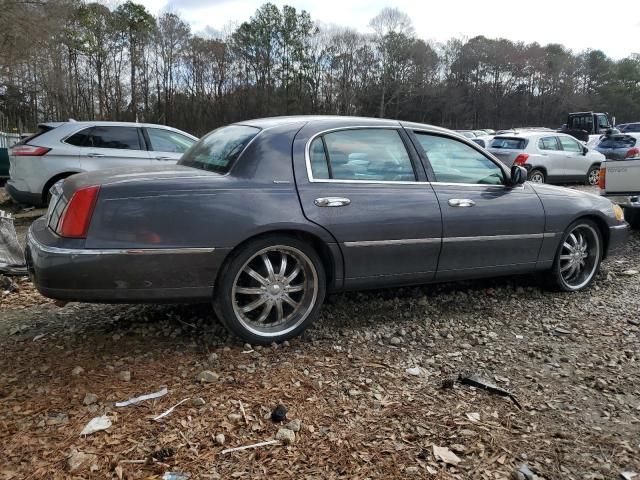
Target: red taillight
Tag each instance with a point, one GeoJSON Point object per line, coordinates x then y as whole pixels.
{"type": "Point", "coordinates": [602, 176]}
{"type": "Point", "coordinates": [633, 153]}
{"type": "Point", "coordinates": [77, 216]}
{"type": "Point", "coordinates": [28, 151]}
{"type": "Point", "coordinates": [521, 159]}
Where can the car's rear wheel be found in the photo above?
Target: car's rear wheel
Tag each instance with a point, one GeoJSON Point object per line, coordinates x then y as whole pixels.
{"type": "Point", "coordinates": [593, 175]}
{"type": "Point", "coordinates": [578, 258]}
{"type": "Point", "coordinates": [270, 290]}
{"type": "Point", "coordinates": [536, 176]}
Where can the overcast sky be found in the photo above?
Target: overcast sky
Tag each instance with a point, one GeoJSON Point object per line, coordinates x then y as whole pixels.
{"type": "Point", "coordinates": [611, 26]}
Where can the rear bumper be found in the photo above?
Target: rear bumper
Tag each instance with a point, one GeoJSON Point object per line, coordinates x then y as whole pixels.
{"type": "Point", "coordinates": [21, 196]}
{"type": "Point", "coordinates": [617, 237]}
{"type": "Point", "coordinates": [119, 275]}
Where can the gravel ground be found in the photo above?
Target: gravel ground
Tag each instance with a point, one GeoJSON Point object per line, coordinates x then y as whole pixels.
{"type": "Point", "coordinates": [570, 359]}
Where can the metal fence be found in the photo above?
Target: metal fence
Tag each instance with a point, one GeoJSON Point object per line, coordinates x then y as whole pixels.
{"type": "Point", "coordinates": [8, 140]}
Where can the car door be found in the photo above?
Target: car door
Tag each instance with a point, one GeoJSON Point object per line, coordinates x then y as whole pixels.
{"type": "Point", "coordinates": [487, 226]}
{"type": "Point", "coordinates": [114, 146]}
{"type": "Point", "coordinates": [554, 157]}
{"type": "Point", "coordinates": [166, 146]}
{"type": "Point", "coordinates": [366, 187]}
{"type": "Point", "coordinates": [576, 163]}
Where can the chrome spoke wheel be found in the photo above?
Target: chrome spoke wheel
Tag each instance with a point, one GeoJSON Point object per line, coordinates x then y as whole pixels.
{"type": "Point", "coordinates": [594, 176]}
{"type": "Point", "coordinates": [536, 177]}
{"type": "Point", "coordinates": [579, 256]}
{"type": "Point", "coordinates": [275, 290]}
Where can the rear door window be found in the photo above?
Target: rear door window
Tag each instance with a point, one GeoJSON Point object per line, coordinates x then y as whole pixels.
{"type": "Point", "coordinates": [123, 138]}
{"type": "Point", "coordinates": [367, 154]}
{"type": "Point", "coordinates": [218, 150]}
{"type": "Point", "coordinates": [548, 143]}
{"type": "Point", "coordinates": [168, 141]}
{"type": "Point", "coordinates": [80, 138]}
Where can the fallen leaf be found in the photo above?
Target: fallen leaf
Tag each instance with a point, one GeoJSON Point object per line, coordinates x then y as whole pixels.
{"type": "Point", "coordinates": [446, 455]}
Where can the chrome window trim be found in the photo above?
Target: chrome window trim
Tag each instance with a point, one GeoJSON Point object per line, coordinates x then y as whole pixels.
{"type": "Point", "coordinates": [307, 157]}
{"type": "Point", "coordinates": [114, 251]}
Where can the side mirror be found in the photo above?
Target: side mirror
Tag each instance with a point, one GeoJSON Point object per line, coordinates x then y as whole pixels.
{"type": "Point", "coordinates": [518, 175]}
{"type": "Point", "coordinates": [585, 150]}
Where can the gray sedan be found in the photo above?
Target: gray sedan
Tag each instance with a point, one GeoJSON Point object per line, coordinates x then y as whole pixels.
{"type": "Point", "coordinates": [265, 217]}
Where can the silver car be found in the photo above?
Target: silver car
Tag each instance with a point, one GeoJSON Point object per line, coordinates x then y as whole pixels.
{"type": "Point", "coordinates": [60, 149]}
{"type": "Point", "coordinates": [549, 157]}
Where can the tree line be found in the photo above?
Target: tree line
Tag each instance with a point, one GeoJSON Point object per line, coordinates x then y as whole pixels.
{"type": "Point", "coordinates": [62, 59]}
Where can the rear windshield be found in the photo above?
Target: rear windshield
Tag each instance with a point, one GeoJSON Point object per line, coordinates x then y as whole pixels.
{"type": "Point", "coordinates": [41, 129]}
{"type": "Point", "coordinates": [218, 150]}
{"type": "Point", "coordinates": [508, 143]}
{"type": "Point", "coordinates": [618, 141]}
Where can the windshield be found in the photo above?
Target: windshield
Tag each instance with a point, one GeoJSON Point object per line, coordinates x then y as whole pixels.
{"type": "Point", "coordinates": [617, 141]}
{"type": "Point", "coordinates": [508, 143]}
{"type": "Point", "coordinates": [218, 150]}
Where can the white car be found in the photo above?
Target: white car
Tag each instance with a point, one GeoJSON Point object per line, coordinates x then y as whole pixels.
{"type": "Point", "coordinates": [60, 149]}
{"type": "Point", "coordinates": [549, 157]}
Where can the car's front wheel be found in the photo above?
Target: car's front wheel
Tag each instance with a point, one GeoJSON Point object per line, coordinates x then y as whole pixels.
{"type": "Point", "coordinates": [578, 257]}
{"type": "Point", "coordinates": [270, 290]}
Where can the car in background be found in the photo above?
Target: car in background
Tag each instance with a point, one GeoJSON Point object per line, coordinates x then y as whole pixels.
{"type": "Point", "coordinates": [483, 140]}
{"type": "Point", "coordinates": [619, 146]}
{"type": "Point", "coordinates": [60, 149]}
{"type": "Point", "coordinates": [548, 156]}
{"type": "Point", "coordinates": [264, 217]}
{"type": "Point", "coordinates": [489, 131]}
{"type": "Point", "coordinates": [467, 133]}
{"type": "Point", "coordinates": [629, 127]}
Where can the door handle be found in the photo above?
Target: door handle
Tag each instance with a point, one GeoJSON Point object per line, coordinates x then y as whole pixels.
{"type": "Point", "coordinates": [332, 202]}
{"type": "Point", "coordinates": [160, 157]}
{"type": "Point", "coordinates": [461, 202]}
{"type": "Point", "coordinates": [95, 155]}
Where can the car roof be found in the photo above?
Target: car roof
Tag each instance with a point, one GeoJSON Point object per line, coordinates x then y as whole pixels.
{"type": "Point", "coordinates": [532, 133]}
{"type": "Point", "coordinates": [270, 122]}
{"type": "Point", "coordinates": [104, 123]}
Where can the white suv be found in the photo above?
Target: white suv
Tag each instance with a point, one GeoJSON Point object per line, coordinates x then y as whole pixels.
{"type": "Point", "coordinates": [58, 150]}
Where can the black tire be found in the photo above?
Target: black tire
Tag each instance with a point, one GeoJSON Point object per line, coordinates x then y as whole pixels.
{"type": "Point", "coordinates": [562, 263]}
{"type": "Point", "coordinates": [537, 176]}
{"type": "Point", "coordinates": [632, 216]}
{"type": "Point", "coordinates": [591, 178]}
{"type": "Point", "coordinates": [277, 289]}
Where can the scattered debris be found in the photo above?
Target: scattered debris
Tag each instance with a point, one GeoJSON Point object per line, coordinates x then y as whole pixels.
{"type": "Point", "coordinates": [234, 417]}
{"type": "Point", "coordinates": [279, 414]}
{"type": "Point", "coordinates": [628, 475]}
{"type": "Point", "coordinates": [149, 396]}
{"type": "Point", "coordinates": [630, 272]}
{"type": "Point", "coordinates": [96, 424]}
{"type": "Point", "coordinates": [220, 439]}
{"type": "Point", "coordinates": [244, 415]}
{"type": "Point", "coordinates": [448, 382]}
{"type": "Point", "coordinates": [523, 473]}
{"type": "Point", "coordinates": [168, 411]}
{"type": "Point", "coordinates": [90, 399]}
{"type": "Point", "coordinates": [562, 331]}
{"type": "Point", "coordinates": [288, 437]}
{"type": "Point", "coordinates": [163, 453]}
{"type": "Point", "coordinates": [77, 371]}
{"type": "Point", "coordinates": [39, 336]}
{"type": "Point", "coordinates": [255, 445]}
{"type": "Point", "coordinates": [473, 416]}
{"type": "Point", "coordinates": [414, 371]}
{"type": "Point", "coordinates": [175, 476]}
{"type": "Point", "coordinates": [76, 460]}
{"type": "Point", "coordinates": [446, 455]}
{"type": "Point", "coordinates": [207, 376]}
{"type": "Point", "coordinates": [125, 376]}
{"type": "Point", "coordinates": [479, 382]}
{"type": "Point", "coordinates": [198, 402]}
{"type": "Point", "coordinates": [294, 425]}
{"type": "Point", "coordinates": [633, 321]}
